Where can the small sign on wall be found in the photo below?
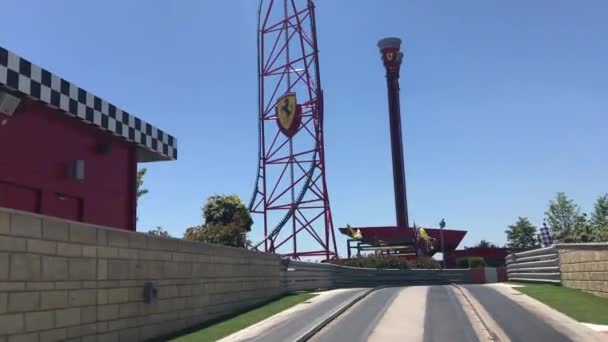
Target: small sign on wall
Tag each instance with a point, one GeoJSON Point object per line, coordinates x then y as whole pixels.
{"type": "Point", "coordinates": [76, 170]}
{"type": "Point", "coordinates": [8, 103]}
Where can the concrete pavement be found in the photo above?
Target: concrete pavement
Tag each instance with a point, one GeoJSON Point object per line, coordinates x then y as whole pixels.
{"type": "Point", "coordinates": [390, 326]}
{"type": "Point", "coordinates": [599, 328]}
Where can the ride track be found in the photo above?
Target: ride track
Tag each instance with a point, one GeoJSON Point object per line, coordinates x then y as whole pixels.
{"type": "Point", "coordinates": [290, 189]}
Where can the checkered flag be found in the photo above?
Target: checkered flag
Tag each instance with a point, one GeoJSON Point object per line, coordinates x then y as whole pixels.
{"type": "Point", "coordinates": [545, 238]}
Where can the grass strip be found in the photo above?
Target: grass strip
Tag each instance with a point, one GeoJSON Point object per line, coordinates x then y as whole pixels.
{"type": "Point", "coordinates": [579, 305]}
{"type": "Point", "coordinates": [237, 323]}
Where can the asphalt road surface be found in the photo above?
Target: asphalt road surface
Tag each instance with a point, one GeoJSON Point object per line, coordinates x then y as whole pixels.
{"type": "Point", "coordinates": [415, 314]}
{"type": "Point", "coordinates": [433, 314]}
{"type": "Point", "coordinates": [289, 329]}
{"type": "Point", "coordinates": [358, 322]}
{"type": "Point", "coordinates": [438, 316]}
{"type": "Point", "coordinates": [518, 323]}
{"type": "Point", "coordinates": [445, 319]}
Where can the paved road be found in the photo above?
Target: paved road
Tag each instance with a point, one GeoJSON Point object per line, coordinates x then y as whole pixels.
{"type": "Point", "coordinates": [419, 314]}
{"type": "Point", "coordinates": [436, 316]}
{"type": "Point", "coordinates": [287, 330]}
{"type": "Point", "coordinates": [518, 323]}
{"type": "Point", "coordinates": [445, 318]}
{"type": "Point", "coordinates": [358, 322]}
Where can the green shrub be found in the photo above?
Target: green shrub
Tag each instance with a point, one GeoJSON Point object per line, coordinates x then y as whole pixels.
{"type": "Point", "coordinates": [375, 261]}
{"type": "Point", "coordinates": [470, 262]}
{"type": "Point", "coordinates": [475, 262]}
{"type": "Point", "coordinates": [389, 262]}
{"type": "Point", "coordinates": [462, 262]}
{"type": "Point", "coordinates": [425, 263]}
{"type": "Point", "coordinates": [495, 262]}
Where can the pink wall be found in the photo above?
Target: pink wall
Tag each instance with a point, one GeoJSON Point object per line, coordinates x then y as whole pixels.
{"type": "Point", "coordinates": [35, 149]}
{"type": "Point", "coordinates": [484, 275]}
{"type": "Point", "coordinates": [477, 275]}
{"type": "Point", "coordinates": [502, 274]}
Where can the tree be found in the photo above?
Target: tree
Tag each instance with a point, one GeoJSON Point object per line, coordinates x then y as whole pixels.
{"type": "Point", "coordinates": [485, 244]}
{"type": "Point", "coordinates": [521, 234]}
{"type": "Point", "coordinates": [159, 231]}
{"type": "Point", "coordinates": [599, 218]}
{"type": "Point", "coordinates": [482, 244]}
{"type": "Point", "coordinates": [227, 235]}
{"type": "Point", "coordinates": [225, 210]}
{"type": "Point", "coordinates": [140, 183]}
{"type": "Point", "coordinates": [565, 219]}
{"type": "Point", "coordinates": [583, 230]}
{"type": "Point", "coordinates": [226, 222]}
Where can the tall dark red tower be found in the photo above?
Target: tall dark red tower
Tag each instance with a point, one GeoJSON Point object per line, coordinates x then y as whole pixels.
{"type": "Point", "coordinates": [392, 57]}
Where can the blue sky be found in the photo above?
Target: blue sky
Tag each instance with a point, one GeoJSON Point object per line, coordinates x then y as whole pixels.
{"type": "Point", "coordinates": [504, 103]}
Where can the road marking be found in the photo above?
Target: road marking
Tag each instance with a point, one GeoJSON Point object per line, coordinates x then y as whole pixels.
{"type": "Point", "coordinates": [483, 324]}
{"type": "Point", "coordinates": [404, 318]}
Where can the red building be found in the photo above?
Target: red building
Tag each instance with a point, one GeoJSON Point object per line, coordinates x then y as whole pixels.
{"type": "Point", "coordinates": [492, 256]}
{"type": "Point", "coordinates": [67, 153]}
{"type": "Point", "coordinates": [400, 242]}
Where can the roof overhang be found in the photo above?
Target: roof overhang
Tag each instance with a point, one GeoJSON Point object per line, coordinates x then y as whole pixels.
{"type": "Point", "coordinates": [394, 236]}
{"type": "Point", "coordinates": [19, 76]}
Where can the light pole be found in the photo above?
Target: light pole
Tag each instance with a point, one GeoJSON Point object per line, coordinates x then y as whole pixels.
{"type": "Point", "coordinates": [441, 226]}
{"type": "Point", "coordinates": [391, 58]}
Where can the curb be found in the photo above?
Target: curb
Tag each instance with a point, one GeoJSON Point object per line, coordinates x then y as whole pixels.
{"type": "Point", "coordinates": [491, 328]}
{"type": "Point", "coordinates": [335, 315]}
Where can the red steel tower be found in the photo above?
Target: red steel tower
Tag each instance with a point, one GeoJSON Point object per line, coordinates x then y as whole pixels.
{"type": "Point", "coordinates": [290, 194]}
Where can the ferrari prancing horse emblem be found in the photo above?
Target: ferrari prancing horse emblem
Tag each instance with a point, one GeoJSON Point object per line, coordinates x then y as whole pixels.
{"type": "Point", "coordinates": [288, 114]}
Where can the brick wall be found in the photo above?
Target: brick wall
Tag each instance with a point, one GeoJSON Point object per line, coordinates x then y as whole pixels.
{"type": "Point", "coordinates": [62, 280]}
{"type": "Point", "coordinates": [585, 267]}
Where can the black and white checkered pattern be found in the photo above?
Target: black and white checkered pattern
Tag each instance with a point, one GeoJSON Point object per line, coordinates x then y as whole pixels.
{"type": "Point", "coordinates": [545, 238]}
{"type": "Point", "coordinates": [20, 75]}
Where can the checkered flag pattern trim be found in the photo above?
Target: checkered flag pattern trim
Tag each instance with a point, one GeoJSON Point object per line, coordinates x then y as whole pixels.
{"type": "Point", "coordinates": [545, 236]}
{"type": "Point", "coordinates": [20, 75]}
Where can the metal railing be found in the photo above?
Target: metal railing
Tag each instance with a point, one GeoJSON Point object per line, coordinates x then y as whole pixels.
{"type": "Point", "coordinates": [538, 265]}
{"type": "Point", "coordinates": [299, 276]}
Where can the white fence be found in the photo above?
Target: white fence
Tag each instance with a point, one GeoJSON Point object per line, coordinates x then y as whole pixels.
{"type": "Point", "coordinates": [538, 265]}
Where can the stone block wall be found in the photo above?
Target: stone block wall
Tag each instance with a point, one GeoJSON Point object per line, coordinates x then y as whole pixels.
{"type": "Point", "coordinates": [63, 280]}
{"type": "Point", "coordinates": [585, 267]}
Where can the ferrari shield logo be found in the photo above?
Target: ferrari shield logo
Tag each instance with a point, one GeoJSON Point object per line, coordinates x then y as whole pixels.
{"type": "Point", "coordinates": [288, 114]}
